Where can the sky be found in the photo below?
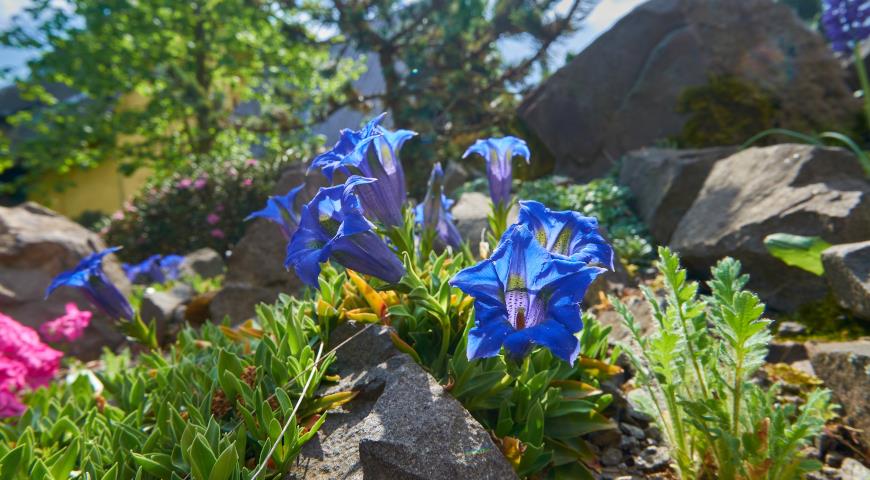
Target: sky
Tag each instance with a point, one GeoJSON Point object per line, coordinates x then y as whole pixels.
{"type": "Point", "coordinates": [605, 14]}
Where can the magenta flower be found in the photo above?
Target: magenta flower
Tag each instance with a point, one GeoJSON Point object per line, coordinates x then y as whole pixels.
{"type": "Point", "coordinates": [9, 405]}
{"type": "Point", "coordinates": [212, 218]}
{"type": "Point", "coordinates": [184, 183]}
{"type": "Point", "coordinates": [247, 182]}
{"type": "Point", "coordinates": [200, 183]}
{"type": "Point", "coordinates": [118, 216]}
{"type": "Point", "coordinates": [68, 327]}
{"type": "Point", "coordinates": [218, 233]}
{"type": "Point", "coordinates": [251, 162]}
{"type": "Point", "coordinates": [19, 343]}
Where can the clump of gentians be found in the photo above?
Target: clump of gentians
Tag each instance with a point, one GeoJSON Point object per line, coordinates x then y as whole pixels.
{"type": "Point", "coordinates": [154, 269]}
{"type": "Point", "coordinates": [281, 210]}
{"type": "Point", "coordinates": [434, 213]}
{"type": "Point", "coordinates": [498, 153]}
{"type": "Point", "coordinates": [89, 278]}
{"type": "Point", "coordinates": [846, 23]}
{"type": "Point", "coordinates": [332, 226]}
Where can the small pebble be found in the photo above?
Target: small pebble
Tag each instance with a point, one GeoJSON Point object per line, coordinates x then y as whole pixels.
{"type": "Point", "coordinates": [834, 459]}
{"type": "Point", "coordinates": [611, 457]}
{"type": "Point", "coordinates": [630, 429]}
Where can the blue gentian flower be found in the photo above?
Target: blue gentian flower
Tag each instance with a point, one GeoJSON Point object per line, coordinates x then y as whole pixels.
{"type": "Point", "coordinates": [382, 200]}
{"type": "Point", "coordinates": [150, 268]}
{"type": "Point", "coordinates": [565, 233]}
{"type": "Point", "coordinates": [434, 213]}
{"type": "Point", "coordinates": [846, 23]}
{"type": "Point", "coordinates": [281, 210]}
{"type": "Point", "coordinates": [332, 225]}
{"type": "Point", "coordinates": [88, 276]}
{"type": "Point", "coordinates": [170, 266]}
{"type": "Point", "coordinates": [525, 296]}
{"type": "Point", "coordinates": [348, 141]}
{"type": "Point", "coordinates": [498, 153]}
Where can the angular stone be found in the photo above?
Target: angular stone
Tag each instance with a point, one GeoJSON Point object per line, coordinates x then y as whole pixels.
{"type": "Point", "coordinates": [786, 352]}
{"type": "Point", "coordinates": [470, 215]}
{"type": "Point", "coordinates": [204, 262]}
{"type": "Point", "coordinates": [845, 369]}
{"type": "Point", "coordinates": [161, 307]}
{"type": "Point", "coordinates": [665, 182]}
{"type": "Point", "coordinates": [402, 425]}
{"type": "Point", "coordinates": [255, 269]}
{"type": "Point", "coordinates": [36, 244]}
{"type": "Point", "coordinates": [853, 470]}
{"type": "Point", "coordinates": [587, 119]}
{"type": "Point", "coordinates": [847, 268]}
{"type": "Point", "coordinates": [797, 189]}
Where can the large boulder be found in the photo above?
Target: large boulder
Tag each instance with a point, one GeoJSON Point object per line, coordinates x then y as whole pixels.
{"type": "Point", "coordinates": [255, 269]}
{"type": "Point", "coordinates": [402, 425]}
{"type": "Point", "coordinates": [205, 262]}
{"type": "Point", "coordinates": [847, 268]}
{"type": "Point", "coordinates": [622, 92]}
{"type": "Point", "coordinates": [664, 183]}
{"type": "Point", "coordinates": [36, 244]}
{"type": "Point", "coordinates": [845, 369]}
{"type": "Point", "coordinates": [797, 189]}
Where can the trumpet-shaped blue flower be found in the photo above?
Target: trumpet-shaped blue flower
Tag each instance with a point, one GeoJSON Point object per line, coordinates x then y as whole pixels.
{"type": "Point", "coordinates": [525, 296]}
{"type": "Point", "coordinates": [434, 213]}
{"type": "Point", "coordinates": [498, 153]}
{"type": "Point", "coordinates": [381, 200]}
{"type": "Point", "coordinates": [846, 23]}
{"type": "Point", "coordinates": [348, 141]}
{"type": "Point", "coordinates": [170, 265]}
{"type": "Point", "coordinates": [332, 225]}
{"type": "Point", "coordinates": [281, 210]}
{"type": "Point", "coordinates": [565, 233]}
{"type": "Point", "coordinates": [88, 277]}
{"type": "Point", "coordinates": [154, 269]}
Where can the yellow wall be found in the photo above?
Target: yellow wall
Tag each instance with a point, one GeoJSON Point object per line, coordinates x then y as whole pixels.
{"type": "Point", "coordinates": [102, 188]}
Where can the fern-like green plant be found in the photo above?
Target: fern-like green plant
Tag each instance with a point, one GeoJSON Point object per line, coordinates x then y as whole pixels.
{"type": "Point", "coordinates": [696, 371]}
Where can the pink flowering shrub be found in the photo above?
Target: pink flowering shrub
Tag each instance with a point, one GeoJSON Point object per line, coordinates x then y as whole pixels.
{"type": "Point", "coordinates": [67, 327]}
{"type": "Point", "coordinates": [197, 207]}
{"type": "Point", "coordinates": [25, 363]}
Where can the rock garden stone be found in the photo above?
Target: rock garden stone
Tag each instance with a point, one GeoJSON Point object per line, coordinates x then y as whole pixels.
{"type": "Point", "coordinates": [255, 269]}
{"type": "Point", "coordinates": [36, 244]}
{"type": "Point", "coordinates": [797, 189]}
{"type": "Point", "coordinates": [847, 269]}
{"type": "Point", "coordinates": [402, 425]}
{"type": "Point", "coordinates": [470, 216]}
{"type": "Point", "coordinates": [163, 309]}
{"type": "Point", "coordinates": [852, 469]}
{"type": "Point", "coordinates": [845, 369]}
{"type": "Point", "coordinates": [588, 120]}
{"type": "Point", "coordinates": [665, 182]}
{"type": "Point", "coordinates": [204, 262]}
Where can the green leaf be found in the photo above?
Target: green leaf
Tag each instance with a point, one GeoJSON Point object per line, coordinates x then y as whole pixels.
{"type": "Point", "coordinates": [17, 460]}
{"type": "Point", "coordinates": [798, 251]}
{"type": "Point", "coordinates": [157, 464]}
{"type": "Point", "coordinates": [225, 464]}
{"type": "Point", "coordinates": [201, 458]}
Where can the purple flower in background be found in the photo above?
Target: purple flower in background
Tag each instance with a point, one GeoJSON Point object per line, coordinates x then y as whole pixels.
{"type": "Point", "coordinates": [348, 141]}
{"type": "Point", "coordinates": [170, 265]}
{"type": "Point", "coordinates": [88, 276]}
{"type": "Point", "coordinates": [332, 226]}
{"type": "Point", "coordinates": [281, 210]}
{"type": "Point", "coordinates": [217, 233]}
{"type": "Point", "coordinates": [498, 153]}
{"type": "Point", "coordinates": [383, 200]}
{"type": "Point", "coordinates": [184, 183]}
{"type": "Point", "coordinates": [846, 23]}
{"type": "Point", "coordinates": [200, 183]}
{"type": "Point", "coordinates": [434, 213]}
{"type": "Point", "coordinates": [251, 162]}
{"type": "Point", "coordinates": [212, 218]}
{"type": "Point", "coordinates": [565, 233]}
{"type": "Point", "coordinates": [247, 182]}
{"type": "Point", "coordinates": [156, 269]}
{"type": "Point", "coordinates": [525, 296]}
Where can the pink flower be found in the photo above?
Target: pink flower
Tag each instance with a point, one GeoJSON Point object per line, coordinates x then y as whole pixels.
{"type": "Point", "coordinates": [219, 207]}
{"type": "Point", "coordinates": [21, 344]}
{"type": "Point", "coordinates": [233, 172]}
{"type": "Point", "coordinates": [247, 182]}
{"type": "Point", "coordinates": [9, 405]}
{"type": "Point", "coordinates": [200, 183]}
{"type": "Point", "coordinates": [251, 162]}
{"type": "Point", "coordinates": [218, 233]}
{"type": "Point", "coordinates": [212, 218]}
{"type": "Point", "coordinates": [118, 216]}
{"type": "Point", "coordinates": [184, 183]}
{"type": "Point", "coordinates": [66, 328]}
{"type": "Point", "coordinates": [129, 207]}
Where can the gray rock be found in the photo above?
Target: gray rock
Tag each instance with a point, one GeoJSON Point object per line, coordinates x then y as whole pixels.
{"type": "Point", "coordinates": [470, 216]}
{"type": "Point", "coordinates": [611, 457]}
{"type": "Point", "coordinates": [403, 425]}
{"type": "Point", "coordinates": [161, 307]}
{"type": "Point", "coordinates": [653, 458]}
{"type": "Point", "coordinates": [665, 182]}
{"type": "Point", "coordinates": [643, 316]}
{"type": "Point", "coordinates": [847, 268]}
{"type": "Point", "coordinates": [204, 262]}
{"type": "Point", "coordinates": [797, 189]}
{"type": "Point", "coordinates": [632, 430]}
{"type": "Point", "coordinates": [605, 438]}
{"type": "Point", "coordinates": [853, 470]}
{"type": "Point", "coordinates": [36, 244]}
{"type": "Point", "coordinates": [791, 329]}
{"type": "Point", "coordinates": [652, 55]}
{"type": "Point", "coordinates": [786, 352]}
{"type": "Point", "coordinates": [255, 269]}
{"type": "Point", "coordinates": [845, 369]}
